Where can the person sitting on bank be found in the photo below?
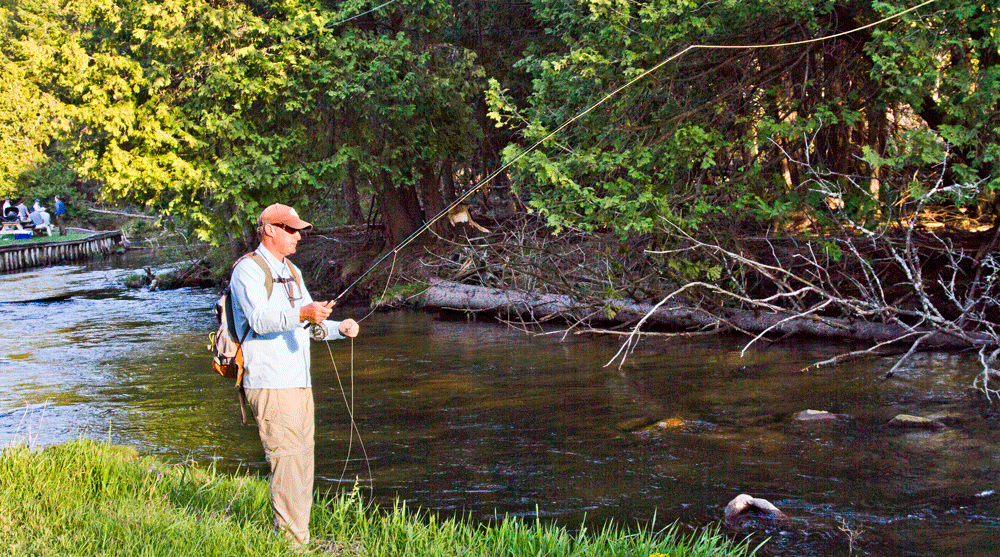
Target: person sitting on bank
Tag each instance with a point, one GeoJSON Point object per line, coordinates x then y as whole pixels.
{"type": "Point", "coordinates": [9, 211]}
{"type": "Point", "coordinates": [40, 218]}
{"type": "Point", "coordinates": [22, 212]}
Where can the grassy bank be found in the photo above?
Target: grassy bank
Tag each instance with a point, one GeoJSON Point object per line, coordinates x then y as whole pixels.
{"type": "Point", "coordinates": [90, 498]}
{"type": "Point", "coordinates": [8, 239]}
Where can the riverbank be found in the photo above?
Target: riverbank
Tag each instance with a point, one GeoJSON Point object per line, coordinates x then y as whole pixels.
{"type": "Point", "coordinates": [29, 254]}
{"type": "Point", "coordinates": [75, 234]}
{"type": "Point", "coordinates": [93, 498]}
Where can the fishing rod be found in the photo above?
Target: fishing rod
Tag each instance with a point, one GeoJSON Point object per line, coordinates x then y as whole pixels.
{"type": "Point", "coordinates": [395, 251]}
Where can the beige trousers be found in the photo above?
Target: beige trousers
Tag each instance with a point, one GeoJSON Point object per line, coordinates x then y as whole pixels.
{"type": "Point", "coordinates": [285, 420]}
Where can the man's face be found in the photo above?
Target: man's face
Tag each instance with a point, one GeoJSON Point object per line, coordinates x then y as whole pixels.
{"type": "Point", "coordinates": [284, 238]}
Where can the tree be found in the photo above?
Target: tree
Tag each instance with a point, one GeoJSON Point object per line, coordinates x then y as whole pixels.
{"type": "Point", "coordinates": [408, 111]}
{"type": "Point", "coordinates": [205, 112]}
{"type": "Point", "coordinates": [719, 134]}
{"type": "Point", "coordinates": [942, 65]}
{"type": "Point", "coordinates": [32, 117]}
{"type": "Point", "coordinates": [106, 68]}
{"type": "Point", "coordinates": [29, 119]}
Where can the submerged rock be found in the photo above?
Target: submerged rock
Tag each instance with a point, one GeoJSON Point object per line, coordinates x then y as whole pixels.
{"type": "Point", "coordinates": [640, 425]}
{"type": "Point", "coordinates": [667, 423]}
{"type": "Point", "coordinates": [818, 415]}
{"type": "Point", "coordinates": [955, 419]}
{"type": "Point", "coordinates": [906, 421]}
{"type": "Point", "coordinates": [635, 424]}
{"type": "Point", "coordinates": [746, 510]}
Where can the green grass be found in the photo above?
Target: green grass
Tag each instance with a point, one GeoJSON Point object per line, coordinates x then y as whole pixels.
{"type": "Point", "coordinates": [90, 498]}
{"type": "Point", "coordinates": [8, 239]}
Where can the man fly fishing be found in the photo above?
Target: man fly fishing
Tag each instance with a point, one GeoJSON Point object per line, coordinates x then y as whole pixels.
{"type": "Point", "coordinates": [276, 378]}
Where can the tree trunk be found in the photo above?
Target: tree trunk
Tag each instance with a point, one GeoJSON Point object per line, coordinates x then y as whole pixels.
{"type": "Point", "coordinates": [400, 210]}
{"type": "Point", "coordinates": [352, 198]}
{"type": "Point", "coordinates": [433, 200]}
{"type": "Point", "coordinates": [448, 181]}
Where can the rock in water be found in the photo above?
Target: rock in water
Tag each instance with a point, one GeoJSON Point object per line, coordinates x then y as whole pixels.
{"type": "Point", "coordinates": [914, 422]}
{"type": "Point", "coordinates": [747, 508]}
{"type": "Point", "coordinates": [817, 415]}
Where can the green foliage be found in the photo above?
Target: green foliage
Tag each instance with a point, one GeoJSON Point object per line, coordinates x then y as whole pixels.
{"type": "Point", "coordinates": [689, 270]}
{"type": "Point", "coordinates": [207, 111]}
{"type": "Point", "coordinates": [29, 116]}
{"type": "Point", "coordinates": [51, 178]}
{"type": "Point", "coordinates": [944, 65]}
{"type": "Point", "coordinates": [895, 103]}
{"type": "Point", "coordinates": [632, 161]}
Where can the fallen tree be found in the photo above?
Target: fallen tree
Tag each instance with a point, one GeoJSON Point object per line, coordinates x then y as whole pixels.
{"type": "Point", "coordinates": [455, 296]}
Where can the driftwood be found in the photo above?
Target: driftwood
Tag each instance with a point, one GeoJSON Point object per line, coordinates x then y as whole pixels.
{"type": "Point", "coordinates": [345, 229]}
{"type": "Point", "coordinates": [123, 214]}
{"type": "Point", "coordinates": [448, 295]}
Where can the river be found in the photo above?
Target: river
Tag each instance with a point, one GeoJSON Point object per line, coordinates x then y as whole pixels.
{"type": "Point", "coordinates": [475, 417]}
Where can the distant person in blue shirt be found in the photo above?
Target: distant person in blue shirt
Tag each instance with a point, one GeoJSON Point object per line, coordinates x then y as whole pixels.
{"type": "Point", "coordinates": [58, 210]}
{"type": "Point", "coordinates": [22, 212]}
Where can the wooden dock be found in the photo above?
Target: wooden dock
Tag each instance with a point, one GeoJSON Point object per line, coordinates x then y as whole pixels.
{"type": "Point", "coordinates": [39, 254]}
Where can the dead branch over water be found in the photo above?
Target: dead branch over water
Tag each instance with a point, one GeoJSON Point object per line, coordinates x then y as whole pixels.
{"type": "Point", "coordinates": [910, 287]}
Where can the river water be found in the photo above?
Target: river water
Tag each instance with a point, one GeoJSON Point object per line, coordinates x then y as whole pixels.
{"type": "Point", "coordinates": [479, 418]}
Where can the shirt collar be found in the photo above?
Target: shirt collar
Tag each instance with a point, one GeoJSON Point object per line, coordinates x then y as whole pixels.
{"type": "Point", "coordinates": [278, 268]}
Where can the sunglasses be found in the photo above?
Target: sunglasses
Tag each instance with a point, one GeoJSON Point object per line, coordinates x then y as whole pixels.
{"type": "Point", "coordinates": [286, 228]}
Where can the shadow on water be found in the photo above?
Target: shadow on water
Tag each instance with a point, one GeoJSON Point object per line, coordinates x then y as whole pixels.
{"type": "Point", "coordinates": [478, 419]}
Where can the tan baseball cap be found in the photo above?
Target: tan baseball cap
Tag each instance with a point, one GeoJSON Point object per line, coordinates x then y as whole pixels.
{"type": "Point", "coordinates": [282, 214]}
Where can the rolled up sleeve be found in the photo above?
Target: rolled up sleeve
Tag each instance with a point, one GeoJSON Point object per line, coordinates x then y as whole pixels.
{"type": "Point", "coordinates": [332, 330]}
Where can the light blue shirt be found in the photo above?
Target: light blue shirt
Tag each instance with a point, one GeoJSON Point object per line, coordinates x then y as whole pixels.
{"type": "Point", "coordinates": [276, 351]}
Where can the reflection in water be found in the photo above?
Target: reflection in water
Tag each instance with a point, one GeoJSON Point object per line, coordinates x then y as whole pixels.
{"type": "Point", "coordinates": [475, 418]}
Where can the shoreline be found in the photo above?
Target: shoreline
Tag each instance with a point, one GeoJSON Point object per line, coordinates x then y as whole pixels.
{"type": "Point", "coordinates": [89, 497]}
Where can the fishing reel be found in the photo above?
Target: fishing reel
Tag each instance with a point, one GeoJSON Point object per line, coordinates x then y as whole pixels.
{"type": "Point", "coordinates": [318, 331]}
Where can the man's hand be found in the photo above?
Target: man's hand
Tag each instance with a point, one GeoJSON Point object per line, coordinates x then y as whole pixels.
{"type": "Point", "coordinates": [315, 312]}
{"type": "Point", "coordinates": [349, 328]}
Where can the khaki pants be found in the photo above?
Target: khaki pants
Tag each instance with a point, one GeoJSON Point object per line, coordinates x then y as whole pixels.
{"type": "Point", "coordinates": [286, 425]}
